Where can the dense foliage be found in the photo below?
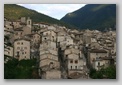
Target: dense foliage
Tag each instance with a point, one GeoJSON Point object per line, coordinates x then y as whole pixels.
{"type": "Point", "coordinates": [24, 69]}
{"type": "Point", "coordinates": [107, 73]}
{"type": "Point", "coordinates": [93, 16]}
{"type": "Point", "coordinates": [13, 12]}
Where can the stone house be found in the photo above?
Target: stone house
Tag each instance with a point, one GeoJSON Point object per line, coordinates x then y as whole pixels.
{"type": "Point", "coordinates": [69, 40]}
{"type": "Point", "coordinates": [102, 62]}
{"type": "Point", "coordinates": [74, 60]}
{"type": "Point", "coordinates": [51, 28]}
{"type": "Point", "coordinates": [18, 33]}
{"type": "Point", "coordinates": [51, 74]}
{"type": "Point", "coordinates": [8, 51]}
{"type": "Point", "coordinates": [49, 35]}
{"type": "Point", "coordinates": [94, 54]}
{"type": "Point", "coordinates": [36, 38]}
{"type": "Point", "coordinates": [22, 49]}
{"type": "Point", "coordinates": [26, 30]}
{"type": "Point", "coordinates": [16, 24]}
{"type": "Point", "coordinates": [95, 45]}
{"type": "Point", "coordinates": [48, 60]}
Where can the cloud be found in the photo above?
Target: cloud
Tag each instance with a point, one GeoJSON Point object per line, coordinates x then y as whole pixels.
{"type": "Point", "coordinates": [54, 10]}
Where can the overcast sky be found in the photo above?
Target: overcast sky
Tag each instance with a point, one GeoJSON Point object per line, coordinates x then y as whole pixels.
{"type": "Point", "coordinates": [54, 10]}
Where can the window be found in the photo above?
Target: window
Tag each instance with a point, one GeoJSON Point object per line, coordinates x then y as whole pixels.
{"type": "Point", "coordinates": [25, 57]}
{"type": "Point", "coordinates": [79, 55]}
{"type": "Point", "coordinates": [29, 22]}
{"type": "Point", "coordinates": [71, 61]}
{"type": "Point", "coordinates": [71, 67]}
{"type": "Point", "coordinates": [18, 43]}
{"type": "Point", "coordinates": [25, 47]}
{"type": "Point", "coordinates": [22, 52]}
{"type": "Point", "coordinates": [45, 38]}
{"type": "Point", "coordinates": [98, 63]}
{"type": "Point", "coordinates": [66, 56]}
{"type": "Point", "coordinates": [8, 52]}
{"type": "Point", "coordinates": [18, 48]}
{"type": "Point", "coordinates": [51, 62]}
{"type": "Point", "coordinates": [76, 61]}
{"type": "Point", "coordinates": [75, 67]}
{"type": "Point", "coordinates": [25, 52]}
{"type": "Point", "coordinates": [21, 43]}
{"type": "Point", "coordinates": [93, 59]}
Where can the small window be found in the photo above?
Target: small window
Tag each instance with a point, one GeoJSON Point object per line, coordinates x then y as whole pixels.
{"type": "Point", "coordinates": [98, 63]}
{"type": "Point", "coordinates": [75, 67]}
{"type": "Point", "coordinates": [25, 47]}
{"type": "Point", "coordinates": [25, 52]}
{"type": "Point", "coordinates": [29, 22]}
{"type": "Point", "coordinates": [76, 61]}
{"type": "Point", "coordinates": [45, 38]}
{"type": "Point", "coordinates": [18, 48]}
{"type": "Point", "coordinates": [22, 52]}
{"type": "Point", "coordinates": [18, 43]}
{"type": "Point", "coordinates": [8, 52]}
{"type": "Point", "coordinates": [21, 43]}
{"type": "Point", "coordinates": [71, 67]}
{"type": "Point", "coordinates": [71, 61]}
{"type": "Point", "coordinates": [25, 57]}
{"type": "Point", "coordinates": [79, 55]}
{"type": "Point", "coordinates": [51, 62]}
{"type": "Point", "coordinates": [93, 59]}
{"type": "Point", "coordinates": [66, 56]}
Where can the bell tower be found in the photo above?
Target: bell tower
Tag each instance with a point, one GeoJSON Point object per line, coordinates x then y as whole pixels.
{"type": "Point", "coordinates": [29, 22]}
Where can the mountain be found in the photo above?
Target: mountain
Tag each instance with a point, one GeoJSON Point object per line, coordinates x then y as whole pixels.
{"type": "Point", "coordinates": [13, 12]}
{"type": "Point", "coordinates": [93, 16]}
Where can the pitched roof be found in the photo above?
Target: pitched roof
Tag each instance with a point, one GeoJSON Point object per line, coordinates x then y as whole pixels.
{"type": "Point", "coordinates": [19, 29]}
{"type": "Point", "coordinates": [98, 51]}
